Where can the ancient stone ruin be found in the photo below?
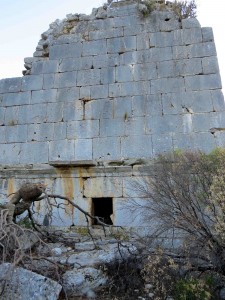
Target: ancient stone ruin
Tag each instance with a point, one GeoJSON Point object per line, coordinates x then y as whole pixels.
{"type": "Point", "coordinates": [102, 95]}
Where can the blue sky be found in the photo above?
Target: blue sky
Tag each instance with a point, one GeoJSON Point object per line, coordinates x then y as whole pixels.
{"type": "Point", "coordinates": [23, 21]}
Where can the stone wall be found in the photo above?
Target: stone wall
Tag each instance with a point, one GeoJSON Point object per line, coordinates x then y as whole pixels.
{"type": "Point", "coordinates": [112, 86]}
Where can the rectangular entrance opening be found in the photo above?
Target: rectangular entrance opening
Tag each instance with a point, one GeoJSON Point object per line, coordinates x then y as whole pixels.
{"type": "Point", "coordinates": [103, 208]}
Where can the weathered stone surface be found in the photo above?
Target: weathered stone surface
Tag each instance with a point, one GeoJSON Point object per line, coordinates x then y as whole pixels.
{"type": "Point", "coordinates": [83, 282]}
{"type": "Point", "coordinates": [19, 283]}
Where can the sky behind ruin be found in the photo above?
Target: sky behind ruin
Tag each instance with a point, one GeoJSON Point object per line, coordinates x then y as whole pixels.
{"type": "Point", "coordinates": [23, 21]}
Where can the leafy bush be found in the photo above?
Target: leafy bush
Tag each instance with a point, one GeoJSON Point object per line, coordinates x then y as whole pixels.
{"type": "Point", "coordinates": [185, 208]}
{"type": "Point", "coordinates": [183, 9]}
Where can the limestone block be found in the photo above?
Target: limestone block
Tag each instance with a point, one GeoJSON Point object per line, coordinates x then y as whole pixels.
{"type": "Point", "coordinates": [207, 34]}
{"type": "Point", "coordinates": [2, 115]}
{"type": "Point", "coordinates": [154, 55]}
{"type": "Point", "coordinates": [65, 51]}
{"type": "Point", "coordinates": [47, 66]}
{"type": "Point", "coordinates": [203, 82]}
{"type": "Point", "coordinates": [66, 39]}
{"type": "Point", "coordinates": [112, 127]}
{"type": "Point", "coordinates": [135, 126]}
{"type": "Point", "coordinates": [11, 115]}
{"type": "Point", "coordinates": [121, 44]}
{"type": "Point", "coordinates": [132, 57]}
{"type": "Point", "coordinates": [24, 284]}
{"type": "Point", "coordinates": [180, 52]}
{"type": "Point", "coordinates": [204, 141]}
{"type": "Point", "coordinates": [172, 103]}
{"type": "Point", "coordinates": [129, 20]}
{"type": "Point", "coordinates": [33, 153]}
{"type": "Point", "coordinates": [192, 36]}
{"type": "Point", "coordinates": [145, 71]}
{"type": "Point", "coordinates": [190, 23]}
{"type": "Point", "coordinates": [72, 64]}
{"type": "Point", "coordinates": [210, 65]}
{"type": "Point", "coordinates": [107, 60]}
{"type": "Point", "coordinates": [40, 132]}
{"type": "Point", "coordinates": [16, 134]}
{"type": "Point", "coordinates": [69, 94]}
{"type": "Point", "coordinates": [2, 134]}
{"type": "Point", "coordinates": [183, 141]}
{"type": "Point", "coordinates": [36, 113]}
{"type": "Point", "coordinates": [59, 131]}
{"type": "Point", "coordinates": [48, 81]}
{"type": "Point", "coordinates": [136, 146]}
{"type": "Point", "coordinates": [83, 282]}
{"type": "Point", "coordinates": [11, 99]}
{"type": "Point", "coordinates": [67, 79]}
{"type": "Point", "coordinates": [94, 48]}
{"type": "Point", "coordinates": [123, 10]}
{"type": "Point", "coordinates": [217, 119]}
{"type": "Point", "coordinates": [43, 96]}
{"type": "Point", "coordinates": [88, 77]}
{"type": "Point", "coordinates": [73, 111]}
{"type": "Point", "coordinates": [85, 203]}
{"type": "Point", "coordinates": [164, 124]}
{"type": "Point", "coordinates": [143, 41]}
{"type": "Point", "coordinates": [61, 150]}
{"type": "Point", "coordinates": [124, 73]}
{"type": "Point", "coordinates": [32, 82]}
{"type": "Point", "coordinates": [134, 88]}
{"type": "Point", "coordinates": [169, 25]}
{"type": "Point", "coordinates": [85, 92]}
{"type": "Point", "coordinates": [98, 109]}
{"type": "Point", "coordinates": [83, 149]}
{"type": "Point", "coordinates": [103, 34]}
{"type": "Point", "coordinates": [106, 148]}
{"type": "Point", "coordinates": [197, 101]}
{"type": "Point", "coordinates": [108, 75]}
{"type": "Point", "coordinates": [115, 90]}
{"type": "Point", "coordinates": [54, 112]}
{"type": "Point", "coordinates": [10, 85]}
{"type": "Point", "coordinates": [162, 143]}
{"type": "Point", "coordinates": [180, 67]}
{"type": "Point", "coordinates": [218, 100]}
{"type": "Point", "coordinates": [103, 187]}
{"type": "Point", "coordinates": [203, 49]}
{"type": "Point", "coordinates": [188, 67]}
{"type": "Point", "coordinates": [136, 30]}
{"type": "Point", "coordinates": [139, 106]}
{"type": "Point", "coordinates": [122, 108]}
{"type": "Point", "coordinates": [9, 154]}
{"type": "Point", "coordinates": [202, 122]}
{"type": "Point", "coordinates": [167, 85]}
{"type": "Point", "coordinates": [162, 39]}
{"type": "Point", "coordinates": [82, 129]}
{"type": "Point", "coordinates": [99, 91]}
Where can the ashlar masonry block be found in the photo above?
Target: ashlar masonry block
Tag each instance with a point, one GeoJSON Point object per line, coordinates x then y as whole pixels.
{"type": "Point", "coordinates": [121, 44]}
{"type": "Point", "coordinates": [10, 85]}
{"type": "Point", "coordinates": [32, 83]}
{"type": "Point", "coordinates": [65, 51]}
{"type": "Point", "coordinates": [141, 146]}
{"type": "Point", "coordinates": [16, 134]}
{"type": "Point", "coordinates": [103, 187]}
{"type": "Point", "coordinates": [83, 129]}
{"type": "Point", "coordinates": [107, 148]}
{"type": "Point", "coordinates": [83, 149]}
{"type": "Point", "coordinates": [20, 98]}
{"type": "Point", "coordinates": [62, 150]}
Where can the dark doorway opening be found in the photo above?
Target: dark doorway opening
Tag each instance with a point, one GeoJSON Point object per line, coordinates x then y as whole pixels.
{"type": "Point", "coordinates": [103, 208]}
